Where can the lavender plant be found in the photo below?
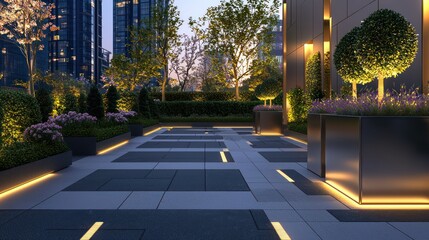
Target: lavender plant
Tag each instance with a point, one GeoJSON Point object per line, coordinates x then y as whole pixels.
{"type": "Point", "coordinates": [47, 132]}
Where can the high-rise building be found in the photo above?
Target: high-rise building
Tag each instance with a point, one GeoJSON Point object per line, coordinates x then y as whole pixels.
{"type": "Point", "coordinates": [127, 14]}
{"type": "Point", "coordinates": [76, 48]}
{"type": "Point", "coordinates": [277, 48]}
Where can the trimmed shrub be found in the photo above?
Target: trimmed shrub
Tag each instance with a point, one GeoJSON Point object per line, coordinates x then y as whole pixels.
{"type": "Point", "coordinates": [82, 103]}
{"type": "Point", "coordinates": [205, 96]}
{"type": "Point", "coordinates": [70, 103]}
{"type": "Point", "coordinates": [144, 109]}
{"type": "Point", "coordinates": [186, 109]}
{"type": "Point", "coordinates": [128, 101]}
{"type": "Point", "coordinates": [313, 77]}
{"type": "Point", "coordinates": [95, 103]}
{"type": "Point", "coordinates": [112, 98]}
{"type": "Point", "coordinates": [154, 108]}
{"type": "Point", "coordinates": [299, 105]}
{"type": "Point", "coordinates": [46, 103]}
{"type": "Point", "coordinates": [19, 111]}
{"type": "Point", "coordinates": [270, 89]}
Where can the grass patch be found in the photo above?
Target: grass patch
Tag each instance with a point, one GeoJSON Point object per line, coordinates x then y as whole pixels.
{"type": "Point", "coordinates": [238, 119]}
{"type": "Point", "coordinates": [299, 127]}
{"type": "Point", "coordinates": [19, 153]}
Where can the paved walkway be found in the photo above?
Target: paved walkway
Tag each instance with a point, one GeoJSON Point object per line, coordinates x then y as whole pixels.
{"type": "Point", "coordinates": [196, 184]}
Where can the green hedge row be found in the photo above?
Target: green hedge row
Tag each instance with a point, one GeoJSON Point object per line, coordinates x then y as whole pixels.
{"type": "Point", "coordinates": [186, 109]}
{"type": "Point", "coordinates": [205, 96]}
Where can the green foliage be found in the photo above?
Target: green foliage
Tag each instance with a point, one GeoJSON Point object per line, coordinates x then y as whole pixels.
{"type": "Point", "coordinates": [327, 89]}
{"type": "Point", "coordinates": [46, 103]}
{"type": "Point", "coordinates": [143, 121]}
{"type": "Point", "coordinates": [144, 109]}
{"type": "Point", "coordinates": [268, 90]}
{"type": "Point", "coordinates": [186, 109]}
{"type": "Point", "coordinates": [70, 103]}
{"type": "Point", "coordinates": [128, 101]}
{"type": "Point", "coordinates": [299, 127]}
{"type": "Point", "coordinates": [246, 119]}
{"type": "Point", "coordinates": [101, 130]}
{"type": "Point", "coordinates": [205, 96]}
{"type": "Point", "coordinates": [82, 102]}
{"type": "Point", "coordinates": [19, 111]}
{"type": "Point", "coordinates": [112, 97]}
{"type": "Point", "coordinates": [346, 61]}
{"type": "Point", "coordinates": [154, 109]}
{"type": "Point", "coordinates": [20, 153]}
{"type": "Point", "coordinates": [269, 68]}
{"type": "Point", "coordinates": [313, 77]}
{"type": "Point", "coordinates": [299, 105]}
{"type": "Point", "coordinates": [387, 45]}
{"type": "Point", "coordinates": [95, 103]}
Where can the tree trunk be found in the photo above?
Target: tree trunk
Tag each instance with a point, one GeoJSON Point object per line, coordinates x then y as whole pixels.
{"type": "Point", "coordinates": [380, 89]}
{"type": "Point", "coordinates": [164, 83]}
{"type": "Point", "coordinates": [265, 102]}
{"type": "Point", "coordinates": [354, 90]}
{"type": "Point", "coordinates": [271, 102]}
{"type": "Point", "coordinates": [237, 91]}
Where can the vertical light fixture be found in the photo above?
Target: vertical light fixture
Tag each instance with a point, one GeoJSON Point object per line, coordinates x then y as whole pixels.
{"type": "Point", "coordinates": [425, 47]}
{"type": "Point", "coordinates": [284, 29]}
{"type": "Point", "coordinates": [327, 35]}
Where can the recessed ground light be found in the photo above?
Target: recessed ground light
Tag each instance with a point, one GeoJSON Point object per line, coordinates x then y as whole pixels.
{"type": "Point", "coordinates": [289, 179]}
{"type": "Point", "coordinates": [281, 231]}
{"type": "Point", "coordinates": [222, 155]}
{"type": "Point", "coordinates": [25, 185]}
{"type": "Point", "coordinates": [90, 233]}
{"type": "Point", "coordinates": [248, 142]}
{"type": "Point", "coordinates": [297, 140]}
{"type": "Point", "coordinates": [112, 148]}
{"type": "Point", "coordinates": [153, 131]}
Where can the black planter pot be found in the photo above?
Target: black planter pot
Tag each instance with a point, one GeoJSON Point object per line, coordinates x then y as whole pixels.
{"type": "Point", "coordinates": [85, 146]}
{"type": "Point", "coordinates": [316, 143]}
{"type": "Point", "coordinates": [380, 160]}
{"type": "Point", "coordinates": [19, 175]}
{"type": "Point", "coordinates": [268, 122]}
{"type": "Point", "coordinates": [136, 130]}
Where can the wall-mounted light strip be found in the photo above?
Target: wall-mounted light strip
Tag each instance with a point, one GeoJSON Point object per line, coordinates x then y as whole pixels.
{"type": "Point", "coordinates": [223, 156]}
{"type": "Point", "coordinates": [25, 185]}
{"type": "Point", "coordinates": [90, 233]}
{"type": "Point", "coordinates": [281, 231]}
{"type": "Point", "coordinates": [112, 148]}
{"type": "Point", "coordinates": [289, 179]}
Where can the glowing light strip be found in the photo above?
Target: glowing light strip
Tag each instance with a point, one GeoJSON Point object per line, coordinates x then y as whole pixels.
{"type": "Point", "coordinates": [25, 185]}
{"type": "Point", "coordinates": [286, 176]}
{"type": "Point", "coordinates": [153, 131]}
{"type": "Point", "coordinates": [281, 231]}
{"type": "Point", "coordinates": [297, 140]}
{"type": "Point", "coordinates": [112, 148]}
{"type": "Point", "coordinates": [248, 142]}
{"type": "Point", "coordinates": [222, 155]}
{"type": "Point", "coordinates": [90, 233]}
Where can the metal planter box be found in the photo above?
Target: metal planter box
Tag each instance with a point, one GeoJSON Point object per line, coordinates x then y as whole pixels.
{"type": "Point", "coordinates": [85, 146]}
{"type": "Point", "coordinates": [379, 160]}
{"type": "Point", "coordinates": [316, 143]}
{"type": "Point", "coordinates": [19, 175]}
{"type": "Point", "coordinates": [268, 122]}
{"type": "Point", "coordinates": [136, 130]}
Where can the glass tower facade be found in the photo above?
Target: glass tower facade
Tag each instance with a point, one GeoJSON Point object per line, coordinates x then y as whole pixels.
{"type": "Point", "coordinates": [76, 48]}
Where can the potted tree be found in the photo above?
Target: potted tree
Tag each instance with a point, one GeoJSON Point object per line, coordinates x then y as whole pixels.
{"type": "Point", "coordinates": [376, 146]}
{"type": "Point", "coordinates": [268, 118]}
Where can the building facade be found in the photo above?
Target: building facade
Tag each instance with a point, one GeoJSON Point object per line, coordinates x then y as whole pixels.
{"type": "Point", "coordinates": [318, 25]}
{"type": "Point", "coordinates": [277, 48]}
{"type": "Point", "coordinates": [76, 48]}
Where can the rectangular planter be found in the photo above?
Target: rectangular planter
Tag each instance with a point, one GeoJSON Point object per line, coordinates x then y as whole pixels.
{"type": "Point", "coordinates": [136, 130]}
{"type": "Point", "coordinates": [379, 160]}
{"type": "Point", "coordinates": [85, 146]}
{"type": "Point", "coordinates": [19, 175]}
{"type": "Point", "coordinates": [268, 122]}
{"type": "Point", "coordinates": [316, 143]}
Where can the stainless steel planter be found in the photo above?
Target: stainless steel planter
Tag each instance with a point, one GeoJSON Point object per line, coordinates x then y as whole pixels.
{"type": "Point", "coordinates": [268, 122]}
{"type": "Point", "coordinates": [19, 175]}
{"type": "Point", "coordinates": [85, 146]}
{"type": "Point", "coordinates": [316, 143]}
{"type": "Point", "coordinates": [379, 160]}
{"type": "Point", "coordinates": [137, 130]}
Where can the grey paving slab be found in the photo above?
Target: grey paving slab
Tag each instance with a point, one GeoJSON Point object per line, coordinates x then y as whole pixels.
{"type": "Point", "coordinates": [141, 224]}
{"type": "Point", "coordinates": [285, 156]}
{"type": "Point", "coordinates": [225, 180]}
{"type": "Point", "coordinates": [283, 216]}
{"type": "Point", "coordinates": [417, 231]}
{"type": "Point", "coordinates": [301, 231]}
{"type": "Point", "coordinates": [265, 192]}
{"type": "Point", "coordinates": [84, 200]}
{"type": "Point", "coordinates": [188, 138]}
{"type": "Point", "coordinates": [317, 216]}
{"type": "Point", "coordinates": [142, 200]}
{"type": "Point", "coordinates": [183, 145]}
{"type": "Point", "coordinates": [357, 231]}
{"type": "Point", "coordinates": [381, 215]}
{"type": "Point", "coordinates": [188, 180]}
{"type": "Point", "coordinates": [136, 185]}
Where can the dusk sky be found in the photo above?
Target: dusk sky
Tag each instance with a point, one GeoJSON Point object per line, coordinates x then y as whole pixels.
{"type": "Point", "coordinates": [187, 8]}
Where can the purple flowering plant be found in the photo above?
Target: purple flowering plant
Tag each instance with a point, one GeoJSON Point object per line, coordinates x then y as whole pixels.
{"type": "Point", "coordinates": [47, 132]}
{"type": "Point", "coordinates": [268, 108]}
{"type": "Point", "coordinates": [120, 117]}
{"type": "Point", "coordinates": [73, 118]}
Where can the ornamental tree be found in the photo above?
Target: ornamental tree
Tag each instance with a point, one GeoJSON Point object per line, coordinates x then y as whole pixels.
{"type": "Point", "coordinates": [313, 77]}
{"type": "Point", "coordinates": [347, 63]}
{"type": "Point", "coordinates": [268, 90]}
{"type": "Point", "coordinates": [239, 31]}
{"type": "Point", "coordinates": [387, 46]}
{"type": "Point", "coordinates": [25, 22]}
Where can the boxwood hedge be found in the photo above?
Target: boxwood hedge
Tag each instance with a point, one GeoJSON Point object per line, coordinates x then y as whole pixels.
{"type": "Point", "coordinates": [186, 109]}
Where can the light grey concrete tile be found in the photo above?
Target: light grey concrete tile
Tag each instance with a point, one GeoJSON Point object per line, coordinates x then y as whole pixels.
{"type": "Point", "coordinates": [415, 230]}
{"type": "Point", "coordinates": [357, 231]}
{"type": "Point", "coordinates": [230, 165]}
{"type": "Point", "coordinates": [142, 200]}
{"type": "Point", "coordinates": [265, 192]}
{"type": "Point", "coordinates": [316, 202]}
{"type": "Point", "coordinates": [283, 216]}
{"type": "Point", "coordinates": [300, 231]}
{"type": "Point", "coordinates": [84, 200]}
{"type": "Point", "coordinates": [180, 166]}
{"type": "Point", "coordinates": [316, 216]}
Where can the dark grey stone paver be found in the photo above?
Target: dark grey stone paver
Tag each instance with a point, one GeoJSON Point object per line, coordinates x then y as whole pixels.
{"type": "Point", "coordinates": [273, 144]}
{"type": "Point", "coordinates": [162, 180]}
{"type": "Point", "coordinates": [285, 156]}
{"type": "Point", "coordinates": [140, 224]}
{"type": "Point", "coordinates": [305, 185]}
{"type": "Point", "coordinates": [183, 145]}
{"type": "Point", "coordinates": [381, 215]}
{"type": "Point", "coordinates": [188, 137]}
{"type": "Point", "coordinates": [173, 157]}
